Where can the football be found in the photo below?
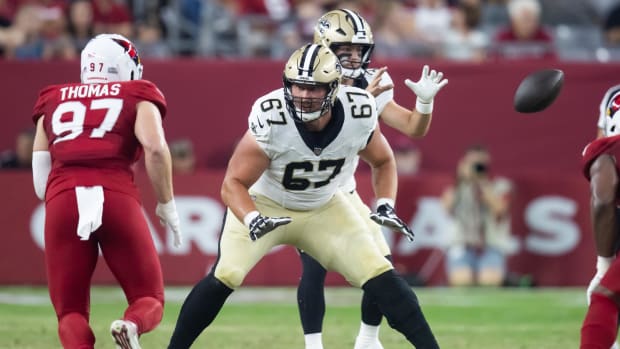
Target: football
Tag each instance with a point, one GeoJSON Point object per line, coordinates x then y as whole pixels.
{"type": "Point", "coordinates": [538, 90]}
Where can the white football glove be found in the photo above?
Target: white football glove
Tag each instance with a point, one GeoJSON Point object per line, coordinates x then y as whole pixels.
{"type": "Point", "coordinates": [426, 88]}
{"type": "Point", "coordinates": [386, 216]}
{"type": "Point", "coordinates": [168, 215]}
{"type": "Point", "coordinates": [602, 264]}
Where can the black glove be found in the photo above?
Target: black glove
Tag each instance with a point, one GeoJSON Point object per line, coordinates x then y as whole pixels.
{"type": "Point", "coordinates": [386, 216]}
{"type": "Point", "coordinates": [261, 225]}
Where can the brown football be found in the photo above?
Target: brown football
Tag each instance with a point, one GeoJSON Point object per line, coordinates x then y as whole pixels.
{"type": "Point", "coordinates": [538, 90]}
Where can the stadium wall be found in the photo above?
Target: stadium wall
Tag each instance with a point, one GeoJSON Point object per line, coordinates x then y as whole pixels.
{"type": "Point", "coordinates": [209, 102]}
{"type": "Point", "coordinates": [551, 231]}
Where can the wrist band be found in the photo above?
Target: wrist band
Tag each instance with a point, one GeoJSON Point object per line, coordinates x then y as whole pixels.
{"type": "Point", "coordinates": [249, 217]}
{"type": "Point", "coordinates": [423, 108]}
{"type": "Point", "coordinates": [603, 263]}
{"type": "Point", "coordinates": [381, 201]}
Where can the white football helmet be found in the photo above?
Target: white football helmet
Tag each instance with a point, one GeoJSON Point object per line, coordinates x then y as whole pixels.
{"type": "Point", "coordinates": [311, 65]}
{"type": "Point", "coordinates": [110, 57]}
{"type": "Point", "coordinates": [612, 127]}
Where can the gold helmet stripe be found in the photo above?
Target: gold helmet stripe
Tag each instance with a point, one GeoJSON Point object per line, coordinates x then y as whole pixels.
{"type": "Point", "coordinates": [306, 64]}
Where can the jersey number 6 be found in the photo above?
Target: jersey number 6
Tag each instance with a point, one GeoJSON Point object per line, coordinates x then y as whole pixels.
{"type": "Point", "coordinates": [292, 183]}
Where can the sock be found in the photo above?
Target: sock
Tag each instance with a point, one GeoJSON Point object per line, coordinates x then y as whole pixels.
{"type": "Point", "coordinates": [600, 325]}
{"type": "Point", "coordinates": [145, 313]}
{"type": "Point", "coordinates": [368, 331]}
{"type": "Point", "coordinates": [313, 341]}
{"type": "Point", "coordinates": [200, 308]}
{"type": "Point", "coordinates": [371, 314]}
{"type": "Point", "coordinates": [400, 306]}
{"type": "Point", "coordinates": [310, 295]}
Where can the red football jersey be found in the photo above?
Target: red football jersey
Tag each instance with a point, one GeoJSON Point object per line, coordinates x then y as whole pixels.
{"type": "Point", "coordinates": [90, 130]}
{"type": "Point", "coordinates": [605, 145]}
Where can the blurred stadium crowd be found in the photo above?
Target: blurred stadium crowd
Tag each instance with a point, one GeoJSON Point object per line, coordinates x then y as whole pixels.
{"type": "Point", "coordinates": [461, 30]}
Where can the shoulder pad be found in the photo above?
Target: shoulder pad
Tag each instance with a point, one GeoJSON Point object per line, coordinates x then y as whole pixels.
{"type": "Point", "coordinates": [148, 91]}
{"type": "Point", "coordinates": [267, 110]}
{"type": "Point", "coordinates": [45, 96]}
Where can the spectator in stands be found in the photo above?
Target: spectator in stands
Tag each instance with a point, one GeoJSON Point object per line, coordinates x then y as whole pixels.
{"type": "Point", "coordinates": [395, 33]}
{"type": "Point", "coordinates": [112, 16]}
{"type": "Point", "coordinates": [21, 156]}
{"type": "Point", "coordinates": [149, 40]}
{"type": "Point", "coordinates": [524, 38]}
{"type": "Point", "coordinates": [464, 41]}
{"type": "Point", "coordinates": [569, 12]}
{"type": "Point", "coordinates": [57, 42]}
{"type": "Point", "coordinates": [431, 22]}
{"type": "Point", "coordinates": [183, 159]}
{"type": "Point", "coordinates": [6, 13]}
{"type": "Point", "coordinates": [81, 25]}
{"type": "Point", "coordinates": [25, 40]}
{"type": "Point", "coordinates": [479, 205]}
{"type": "Point", "coordinates": [611, 27]}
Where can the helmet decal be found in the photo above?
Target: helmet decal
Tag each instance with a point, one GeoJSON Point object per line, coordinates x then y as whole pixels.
{"type": "Point", "coordinates": [306, 63]}
{"type": "Point", "coordinates": [130, 49]}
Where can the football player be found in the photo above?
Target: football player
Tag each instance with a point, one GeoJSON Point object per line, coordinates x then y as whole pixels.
{"type": "Point", "coordinates": [601, 168]}
{"type": "Point", "coordinates": [282, 186]}
{"type": "Point", "coordinates": [349, 36]}
{"type": "Point", "coordinates": [88, 136]}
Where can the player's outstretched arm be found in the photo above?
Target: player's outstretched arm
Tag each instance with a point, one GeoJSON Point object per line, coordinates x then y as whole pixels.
{"type": "Point", "coordinates": [41, 160]}
{"type": "Point", "coordinates": [416, 122]}
{"type": "Point", "coordinates": [150, 133]}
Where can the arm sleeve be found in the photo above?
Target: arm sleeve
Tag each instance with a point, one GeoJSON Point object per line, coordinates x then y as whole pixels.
{"type": "Point", "coordinates": [41, 167]}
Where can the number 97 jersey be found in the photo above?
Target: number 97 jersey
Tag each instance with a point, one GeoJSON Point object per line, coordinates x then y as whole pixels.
{"type": "Point", "coordinates": [307, 168]}
{"type": "Point", "coordinates": [90, 132]}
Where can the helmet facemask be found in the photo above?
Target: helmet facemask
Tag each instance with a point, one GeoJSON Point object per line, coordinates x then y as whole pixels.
{"type": "Point", "coordinates": [314, 66]}
{"type": "Point", "coordinates": [353, 69]}
{"type": "Point", "coordinates": [306, 109]}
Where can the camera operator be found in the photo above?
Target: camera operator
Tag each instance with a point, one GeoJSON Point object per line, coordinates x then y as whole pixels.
{"type": "Point", "coordinates": [479, 206]}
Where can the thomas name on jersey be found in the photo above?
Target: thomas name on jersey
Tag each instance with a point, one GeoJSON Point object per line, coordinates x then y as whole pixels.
{"type": "Point", "coordinates": [89, 91]}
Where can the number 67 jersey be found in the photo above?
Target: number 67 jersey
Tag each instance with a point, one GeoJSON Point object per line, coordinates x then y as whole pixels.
{"type": "Point", "coordinates": [307, 168]}
{"type": "Point", "coordinates": [90, 132]}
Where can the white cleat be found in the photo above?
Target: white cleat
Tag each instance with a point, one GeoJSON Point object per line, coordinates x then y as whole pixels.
{"type": "Point", "coordinates": [615, 346]}
{"type": "Point", "coordinates": [125, 334]}
{"type": "Point", "coordinates": [367, 343]}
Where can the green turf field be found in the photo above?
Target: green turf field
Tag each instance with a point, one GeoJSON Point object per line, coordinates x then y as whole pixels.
{"type": "Point", "coordinates": [267, 318]}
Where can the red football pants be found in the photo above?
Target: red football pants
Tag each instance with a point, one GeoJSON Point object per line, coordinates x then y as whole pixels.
{"type": "Point", "coordinates": [128, 249]}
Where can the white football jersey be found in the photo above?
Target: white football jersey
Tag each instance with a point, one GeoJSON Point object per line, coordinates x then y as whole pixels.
{"type": "Point", "coordinates": [609, 117]}
{"type": "Point", "coordinates": [382, 100]}
{"type": "Point", "coordinates": [308, 168]}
